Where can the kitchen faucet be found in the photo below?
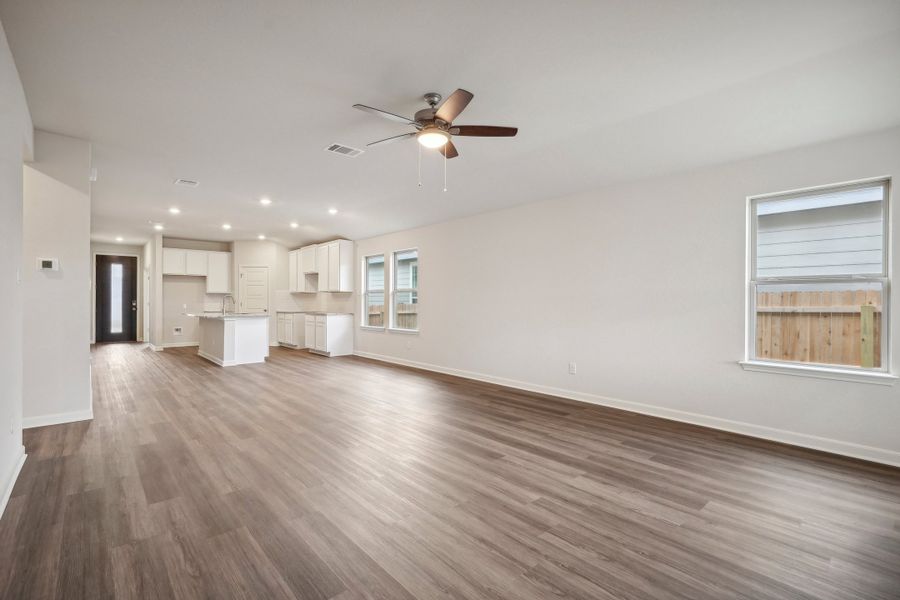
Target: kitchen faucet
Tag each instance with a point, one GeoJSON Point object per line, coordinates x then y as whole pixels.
{"type": "Point", "coordinates": [233, 307]}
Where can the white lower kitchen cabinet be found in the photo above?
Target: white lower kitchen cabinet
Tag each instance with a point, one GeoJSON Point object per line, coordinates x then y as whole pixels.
{"type": "Point", "coordinates": [330, 334]}
{"type": "Point", "coordinates": [309, 326]}
{"type": "Point", "coordinates": [291, 329]}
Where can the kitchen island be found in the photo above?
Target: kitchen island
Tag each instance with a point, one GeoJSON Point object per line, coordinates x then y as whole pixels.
{"type": "Point", "coordinates": [233, 338]}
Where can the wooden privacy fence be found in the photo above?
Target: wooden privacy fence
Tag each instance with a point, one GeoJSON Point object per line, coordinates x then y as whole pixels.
{"type": "Point", "coordinates": [837, 327]}
{"type": "Point", "coordinates": [407, 316]}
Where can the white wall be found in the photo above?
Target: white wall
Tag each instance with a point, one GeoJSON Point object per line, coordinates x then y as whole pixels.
{"type": "Point", "coordinates": [146, 288]}
{"type": "Point", "coordinates": [183, 294]}
{"type": "Point", "coordinates": [118, 250]}
{"type": "Point", "coordinates": [16, 144]}
{"type": "Point", "coordinates": [57, 304]}
{"type": "Point", "coordinates": [153, 258]}
{"type": "Point", "coordinates": [643, 286]}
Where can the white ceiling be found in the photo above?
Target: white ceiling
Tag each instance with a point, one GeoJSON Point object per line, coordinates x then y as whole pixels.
{"type": "Point", "coordinates": [244, 96]}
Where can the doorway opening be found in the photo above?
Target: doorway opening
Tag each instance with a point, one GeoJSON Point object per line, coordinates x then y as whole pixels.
{"type": "Point", "coordinates": [116, 299]}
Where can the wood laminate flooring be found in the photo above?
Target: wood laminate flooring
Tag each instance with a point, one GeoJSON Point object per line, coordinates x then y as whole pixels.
{"type": "Point", "coordinates": [347, 479]}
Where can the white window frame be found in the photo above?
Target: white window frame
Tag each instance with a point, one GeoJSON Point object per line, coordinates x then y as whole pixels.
{"type": "Point", "coordinates": [880, 375]}
{"type": "Point", "coordinates": [365, 290]}
{"type": "Point", "coordinates": [394, 290]}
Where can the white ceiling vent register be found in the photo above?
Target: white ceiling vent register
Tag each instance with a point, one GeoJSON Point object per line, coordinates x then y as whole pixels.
{"type": "Point", "coordinates": [187, 182]}
{"type": "Point", "coordinates": [344, 150]}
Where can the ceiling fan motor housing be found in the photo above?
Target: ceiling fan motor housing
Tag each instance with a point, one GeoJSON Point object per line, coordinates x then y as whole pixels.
{"type": "Point", "coordinates": [425, 116]}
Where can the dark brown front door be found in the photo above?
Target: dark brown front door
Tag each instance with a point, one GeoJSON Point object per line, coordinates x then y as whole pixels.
{"type": "Point", "coordinates": [116, 317]}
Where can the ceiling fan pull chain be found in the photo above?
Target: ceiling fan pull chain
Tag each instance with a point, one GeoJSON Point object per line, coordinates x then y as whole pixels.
{"type": "Point", "coordinates": [420, 164]}
{"type": "Point", "coordinates": [445, 170]}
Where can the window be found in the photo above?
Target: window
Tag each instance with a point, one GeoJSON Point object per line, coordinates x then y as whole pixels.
{"type": "Point", "coordinates": [373, 291]}
{"type": "Point", "coordinates": [819, 277]}
{"type": "Point", "coordinates": [115, 298]}
{"type": "Point", "coordinates": [405, 293]}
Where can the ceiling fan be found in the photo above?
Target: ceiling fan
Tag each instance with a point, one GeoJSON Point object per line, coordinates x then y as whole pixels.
{"type": "Point", "coordinates": [434, 125]}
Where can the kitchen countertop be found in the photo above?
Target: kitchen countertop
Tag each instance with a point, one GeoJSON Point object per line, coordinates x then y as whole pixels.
{"type": "Point", "coordinates": [218, 315]}
{"type": "Point", "coordinates": [312, 312]}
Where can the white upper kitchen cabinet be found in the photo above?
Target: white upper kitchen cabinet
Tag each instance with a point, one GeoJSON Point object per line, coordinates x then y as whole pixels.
{"type": "Point", "coordinates": [294, 274]}
{"type": "Point", "coordinates": [218, 276]}
{"type": "Point", "coordinates": [196, 262]}
{"type": "Point", "coordinates": [340, 266]}
{"type": "Point", "coordinates": [174, 261]}
{"type": "Point", "coordinates": [325, 267]}
{"type": "Point", "coordinates": [322, 267]}
{"type": "Point", "coordinates": [308, 260]}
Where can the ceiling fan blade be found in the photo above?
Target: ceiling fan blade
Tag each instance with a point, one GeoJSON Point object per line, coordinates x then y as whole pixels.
{"type": "Point", "coordinates": [449, 150]}
{"type": "Point", "coordinates": [384, 114]}
{"type": "Point", "coordinates": [395, 138]}
{"type": "Point", "coordinates": [484, 130]}
{"type": "Point", "coordinates": [453, 105]}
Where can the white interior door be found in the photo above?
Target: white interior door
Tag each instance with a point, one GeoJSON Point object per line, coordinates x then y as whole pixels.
{"type": "Point", "coordinates": [254, 289]}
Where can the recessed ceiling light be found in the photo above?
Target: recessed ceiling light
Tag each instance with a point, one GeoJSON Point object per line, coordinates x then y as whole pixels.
{"type": "Point", "coordinates": [158, 227]}
{"type": "Point", "coordinates": [332, 211]}
{"type": "Point", "coordinates": [295, 225]}
{"type": "Point", "coordinates": [174, 210]}
{"type": "Point", "coordinates": [261, 236]}
{"type": "Point", "coordinates": [265, 201]}
{"type": "Point", "coordinates": [119, 238]}
{"type": "Point", "coordinates": [226, 226]}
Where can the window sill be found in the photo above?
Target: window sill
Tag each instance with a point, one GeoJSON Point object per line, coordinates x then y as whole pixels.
{"type": "Point", "coordinates": [371, 328]}
{"type": "Point", "coordinates": [406, 331]}
{"type": "Point", "coordinates": [852, 375]}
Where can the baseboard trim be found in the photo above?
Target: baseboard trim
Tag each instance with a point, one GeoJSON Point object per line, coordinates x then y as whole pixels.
{"type": "Point", "coordinates": [58, 419]}
{"type": "Point", "coordinates": [11, 482]}
{"type": "Point", "coordinates": [180, 344]}
{"type": "Point", "coordinates": [227, 363]}
{"type": "Point", "coordinates": [155, 348]}
{"type": "Point", "coordinates": [803, 440]}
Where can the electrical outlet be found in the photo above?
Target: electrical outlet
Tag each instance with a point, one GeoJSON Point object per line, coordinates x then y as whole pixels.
{"type": "Point", "coordinates": [572, 368]}
{"type": "Point", "coordinates": [176, 330]}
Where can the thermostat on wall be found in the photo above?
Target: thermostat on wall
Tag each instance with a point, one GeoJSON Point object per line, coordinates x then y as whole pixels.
{"type": "Point", "coordinates": [48, 264]}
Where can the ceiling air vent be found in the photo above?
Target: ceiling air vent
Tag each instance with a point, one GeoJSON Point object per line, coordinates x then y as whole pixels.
{"type": "Point", "coordinates": [186, 182]}
{"type": "Point", "coordinates": [344, 150]}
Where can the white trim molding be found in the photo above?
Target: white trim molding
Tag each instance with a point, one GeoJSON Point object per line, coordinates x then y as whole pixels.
{"type": "Point", "coordinates": [11, 482]}
{"type": "Point", "coordinates": [852, 375]}
{"type": "Point", "coordinates": [226, 363]}
{"type": "Point", "coordinates": [58, 418]}
{"type": "Point", "coordinates": [879, 455]}
{"type": "Point", "coordinates": [179, 344]}
{"type": "Point", "coordinates": [155, 348]}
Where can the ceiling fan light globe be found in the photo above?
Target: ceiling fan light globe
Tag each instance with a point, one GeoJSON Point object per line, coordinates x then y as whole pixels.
{"type": "Point", "coordinates": [433, 138]}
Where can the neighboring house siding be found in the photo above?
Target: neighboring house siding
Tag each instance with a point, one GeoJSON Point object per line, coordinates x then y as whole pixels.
{"type": "Point", "coordinates": [403, 274]}
{"type": "Point", "coordinates": [375, 275]}
{"type": "Point", "coordinates": [823, 241]}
